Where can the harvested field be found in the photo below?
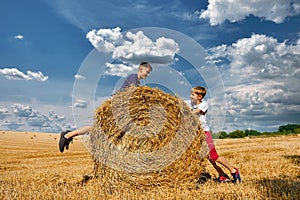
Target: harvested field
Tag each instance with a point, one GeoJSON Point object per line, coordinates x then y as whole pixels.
{"type": "Point", "coordinates": [31, 167]}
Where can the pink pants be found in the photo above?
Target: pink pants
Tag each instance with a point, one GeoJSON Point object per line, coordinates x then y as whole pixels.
{"type": "Point", "coordinates": [213, 155]}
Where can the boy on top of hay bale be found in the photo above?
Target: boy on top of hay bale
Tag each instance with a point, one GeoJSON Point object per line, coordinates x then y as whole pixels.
{"type": "Point", "coordinates": [200, 107]}
{"type": "Point", "coordinates": [133, 79]}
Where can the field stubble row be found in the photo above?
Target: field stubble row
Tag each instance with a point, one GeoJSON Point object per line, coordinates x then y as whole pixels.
{"type": "Point", "coordinates": [32, 168]}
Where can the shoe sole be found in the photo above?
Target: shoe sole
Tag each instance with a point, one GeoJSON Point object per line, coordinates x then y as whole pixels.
{"type": "Point", "coordinates": [60, 145]}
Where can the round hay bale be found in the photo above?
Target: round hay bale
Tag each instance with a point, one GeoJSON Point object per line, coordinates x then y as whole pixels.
{"type": "Point", "coordinates": [143, 137]}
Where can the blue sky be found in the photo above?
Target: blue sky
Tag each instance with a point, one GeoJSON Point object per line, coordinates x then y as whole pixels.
{"type": "Point", "coordinates": [59, 60]}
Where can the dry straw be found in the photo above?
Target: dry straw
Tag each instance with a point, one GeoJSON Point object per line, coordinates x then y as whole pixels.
{"type": "Point", "coordinates": [143, 138]}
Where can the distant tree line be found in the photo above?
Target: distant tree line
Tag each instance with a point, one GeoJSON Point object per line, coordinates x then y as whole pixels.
{"type": "Point", "coordinates": [282, 130]}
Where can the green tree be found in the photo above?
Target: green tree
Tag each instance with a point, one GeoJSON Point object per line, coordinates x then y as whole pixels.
{"type": "Point", "coordinates": [252, 132]}
{"type": "Point", "coordinates": [289, 128]}
{"type": "Point", "coordinates": [297, 130]}
{"type": "Point", "coordinates": [237, 134]}
{"type": "Point", "coordinates": [223, 134]}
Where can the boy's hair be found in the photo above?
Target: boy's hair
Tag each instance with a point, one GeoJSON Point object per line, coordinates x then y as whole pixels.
{"type": "Point", "coordinates": [199, 91]}
{"type": "Point", "coordinates": [145, 64]}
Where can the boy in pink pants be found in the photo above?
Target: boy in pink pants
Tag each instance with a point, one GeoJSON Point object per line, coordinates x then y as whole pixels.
{"type": "Point", "coordinates": [200, 107]}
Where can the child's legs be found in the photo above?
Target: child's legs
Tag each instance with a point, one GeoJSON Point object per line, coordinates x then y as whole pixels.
{"type": "Point", "coordinates": [219, 169]}
{"type": "Point", "coordinates": [213, 155]}
{"type": "Point", "coordinates": [79, 131]}
{"type": "Point", "coordinates": [226, 164]}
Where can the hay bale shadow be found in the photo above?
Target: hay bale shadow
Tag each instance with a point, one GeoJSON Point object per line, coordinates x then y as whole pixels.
{"type": "Point", "coordinates": [204, 177]}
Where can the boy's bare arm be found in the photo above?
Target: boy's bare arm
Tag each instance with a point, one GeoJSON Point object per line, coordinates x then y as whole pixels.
{"type": "Point", "coordinates": [198, 112]}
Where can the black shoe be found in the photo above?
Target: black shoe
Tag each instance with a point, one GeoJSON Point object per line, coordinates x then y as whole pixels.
{"type": "Point", "coordinates": [64, 142]}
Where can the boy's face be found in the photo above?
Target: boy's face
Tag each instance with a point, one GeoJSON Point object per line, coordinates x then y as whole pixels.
{"type": "Point", "coordinates": [195, 98]}
{"type": "Point", "coordinates": [144, 72]}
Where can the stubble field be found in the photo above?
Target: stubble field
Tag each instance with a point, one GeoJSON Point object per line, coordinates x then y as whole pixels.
{"type": "Point", "coordinates": [31, 167]}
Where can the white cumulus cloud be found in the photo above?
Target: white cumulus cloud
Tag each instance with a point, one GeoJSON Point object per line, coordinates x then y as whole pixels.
{"type": "Point", "coordinates": [4, 112]}
{"type": "Point", "coordinates": [15, 74]}
{"type": "Point", "coordinates": [121, 70]}
{"type": "Point", "coordinates": [132, 48]}
{"type": "Point", "coordinates": [105, 40]}
{"type": "Point", "coordinates": [80, 103]}
{"type": "Point", "coordinates": [79, 77]}
{"type": "Point", "coordinates": [235, 10]}
{"type": "Point", "coordinates": [24, 111]}
{"type": "Point", "coordinates": [262, 78]}
{"type": "Point", "coordinates": [19, 37]}
{"type": "Point", "coordinates": [28, 118]}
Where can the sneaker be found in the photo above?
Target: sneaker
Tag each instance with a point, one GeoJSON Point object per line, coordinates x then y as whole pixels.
{"type": "Point", "coordinates": [236, 176]}
{"type": "Point", "coordinates": [223, 178]}
{"type": "Point", "coordinates": [64, 142]}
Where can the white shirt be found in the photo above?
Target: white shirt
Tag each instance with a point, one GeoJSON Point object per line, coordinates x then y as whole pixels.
{"type": "Point", "coordinates": [204, 107]}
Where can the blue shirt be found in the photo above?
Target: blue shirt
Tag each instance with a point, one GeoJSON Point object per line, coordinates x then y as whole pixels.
{"type": "Point", "coordinates": [131, 79]}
